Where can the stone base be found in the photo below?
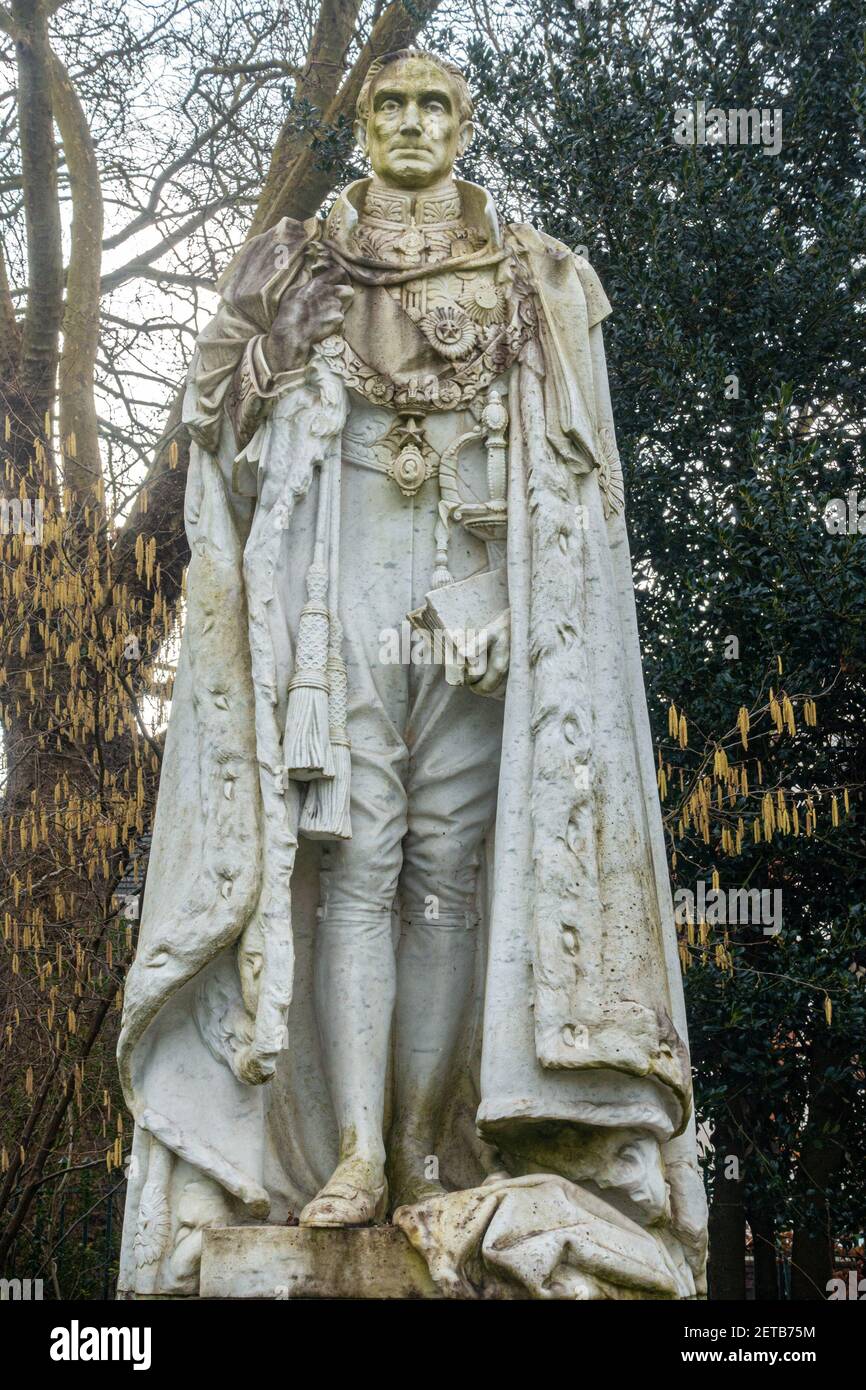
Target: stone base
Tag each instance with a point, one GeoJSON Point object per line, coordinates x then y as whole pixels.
{"type": "Point", "coordinates": [306, 1262]}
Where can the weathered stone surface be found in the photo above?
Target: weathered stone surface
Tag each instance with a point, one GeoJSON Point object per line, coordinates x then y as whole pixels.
{"type": "Point", "coordinates": [392, 405]}
{"type": "Point", "coordinates": [304, 1262]}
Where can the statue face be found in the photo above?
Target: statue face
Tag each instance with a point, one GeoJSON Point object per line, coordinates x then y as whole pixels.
{"type": "Point", "coordinates": [414, 132]}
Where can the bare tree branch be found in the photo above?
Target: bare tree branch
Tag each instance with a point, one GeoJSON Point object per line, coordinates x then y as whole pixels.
{"type": "Point", "coordinates": [42, 213]}
{"type": "Point", "coordinates": [141, 263]}
{"type": "Point", "coordinates": [305, 184]}
{"type": "Point", "coordinates": [323, 73]}
{"type": "Point", "coordinates": [78, 427]}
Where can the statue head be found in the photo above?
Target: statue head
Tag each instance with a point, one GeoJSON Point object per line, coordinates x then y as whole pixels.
{"type": "Point", "coordinates": [414, 118]}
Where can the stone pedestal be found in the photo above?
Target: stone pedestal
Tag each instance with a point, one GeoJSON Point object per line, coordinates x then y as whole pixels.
{"type": "Point", "coordinates": [302, 1262]}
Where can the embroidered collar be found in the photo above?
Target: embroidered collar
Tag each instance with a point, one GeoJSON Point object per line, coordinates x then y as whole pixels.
{"type": "Point", "coordinates": [459, 202]}
{"type": "Point", "coordinates": [388, 206]}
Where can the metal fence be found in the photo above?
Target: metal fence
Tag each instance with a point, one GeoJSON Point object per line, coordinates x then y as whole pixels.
{"type": "Point", "coordinates": [71, 1239]}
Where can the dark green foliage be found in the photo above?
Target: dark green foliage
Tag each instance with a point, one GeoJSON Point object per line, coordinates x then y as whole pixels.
{"type": "Point", "coordinates": [719, 261]}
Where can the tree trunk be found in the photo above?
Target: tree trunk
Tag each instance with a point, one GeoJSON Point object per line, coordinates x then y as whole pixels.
{"type": "Point", "coordinates": [820, 1157]}
{"type": "Point", "coordinates": [727, 1225]}
{"type": "Point", "coordinates": [31, 396]}
{"type": "Point", "coordinates": [764, 1250]}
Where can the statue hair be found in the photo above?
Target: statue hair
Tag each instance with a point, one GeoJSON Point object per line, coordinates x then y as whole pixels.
{"type": "Point", "coordinates": [465, 105]}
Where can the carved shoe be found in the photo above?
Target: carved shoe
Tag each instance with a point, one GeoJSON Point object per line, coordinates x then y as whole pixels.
{"type": "Point", "coordinates": [348, 1198]}
{"type": "Point", "coordinates": [408, 1180]}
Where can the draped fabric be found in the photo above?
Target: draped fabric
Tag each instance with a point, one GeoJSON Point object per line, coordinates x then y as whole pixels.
{"type": "Point", "coordinates": [579, 1018]}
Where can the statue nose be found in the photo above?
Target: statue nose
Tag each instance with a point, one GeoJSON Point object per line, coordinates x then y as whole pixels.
{"type": "Point", "coordinates": [411, 123]}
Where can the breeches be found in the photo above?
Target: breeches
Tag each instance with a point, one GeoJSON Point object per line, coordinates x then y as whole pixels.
{"type": "Point", "coordinates": [425, 755]}
{"type": "Point", "coordinates": [423, 797]}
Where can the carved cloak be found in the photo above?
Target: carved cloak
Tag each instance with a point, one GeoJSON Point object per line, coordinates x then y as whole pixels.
{"type": "Point", "coordinates": [579, 1023]}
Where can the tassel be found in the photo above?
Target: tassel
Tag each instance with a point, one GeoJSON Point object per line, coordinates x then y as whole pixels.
{"type": "Point", "coordinates": [441, 574]}
{"type": "Point", "coordinates": [326, 813]}
{"type": "Point", "coordinates": [307, 744]}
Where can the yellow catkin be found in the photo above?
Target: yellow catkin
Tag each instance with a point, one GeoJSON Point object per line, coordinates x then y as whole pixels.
{"type": "Point", "coordinates": [743, 725]}
{"type": "Point", "coordinates": [683, 731]}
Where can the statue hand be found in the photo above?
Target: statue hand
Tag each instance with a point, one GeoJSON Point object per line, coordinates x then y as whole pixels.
{"type": "Point", "coordinates": [251, 1068]}
{"type": "Point", "coordinates": [250, 957]}
{"type": "Point", "coordinates": [306, 316]}
{"type": "Point", "coordinates": [249, 1064]}
{"type": "Point", "coordinates": [487, 671]}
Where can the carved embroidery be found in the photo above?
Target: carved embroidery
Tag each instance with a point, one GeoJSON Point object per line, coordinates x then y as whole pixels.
{"type": "Point", "coordinates": [610, 472]}
{"type": "Point", "coordinates": [427, 392]}
{"type": "Point", "coordinates": [428, 208]}
{"type": "Point", "coordinates": [482, 300]}
{"type": "Point", "coordinates": [154, 1223]}
{"type": "Point", "coordinates": [406, 456]}
{"type": "Point", "coordinates": [407, 245]}
{"type": "Point", "coordinates": [391, 207]}
{"type": "Point", "coordinates": [450, 331]}
{"type": "Point", "coordinates": [420, 230]}
{"type": "Point", "coordinates": [438, 209]}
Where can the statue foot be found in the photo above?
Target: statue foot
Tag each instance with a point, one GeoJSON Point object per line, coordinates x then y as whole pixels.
{"type": "Point", "coordinates": [354, 1195]}
{"type": "Point", "coordinates": [408, 1175]}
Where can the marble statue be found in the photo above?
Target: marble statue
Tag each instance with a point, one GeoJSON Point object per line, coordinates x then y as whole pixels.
{"type": "Point", "coordinates": [407, 953]}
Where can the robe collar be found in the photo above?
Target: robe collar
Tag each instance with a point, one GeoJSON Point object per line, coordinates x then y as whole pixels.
{"type": "Point", "coordinates": [459, 201]}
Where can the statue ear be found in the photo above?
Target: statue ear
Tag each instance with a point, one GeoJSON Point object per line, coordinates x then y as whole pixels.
{"type": "Point", "coordinates": [360, 132]}
{"type": "Point", "coordinates": [465, 136]}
